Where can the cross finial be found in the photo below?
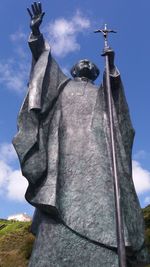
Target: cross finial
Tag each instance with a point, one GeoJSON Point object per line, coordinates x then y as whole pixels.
{"type": "Point", "coordinates": [105, 33]}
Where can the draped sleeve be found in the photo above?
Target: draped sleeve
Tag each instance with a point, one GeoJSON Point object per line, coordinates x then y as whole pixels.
{"type": "Point", "coordinates": [46, 82]}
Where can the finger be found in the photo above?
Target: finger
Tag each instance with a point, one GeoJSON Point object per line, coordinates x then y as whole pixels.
{"type": "Point", "coordinates": [30, 14]}
{"type": "Point", "coordinates": [33, 9]}
{"type": "Point", "coordinates": [43, 14]}
{"type": "Point", "coordinates": [36, 8]}
{"type": "Point", "coordinates": [40, 7]}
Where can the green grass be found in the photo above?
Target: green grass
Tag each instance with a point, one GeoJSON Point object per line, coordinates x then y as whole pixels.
{"type": "Point", "coordinates": [16, 241]}
{"type": "Point", "coordinates": [12, 226]}
{"type": "Point", "coordinates": [146, 213]}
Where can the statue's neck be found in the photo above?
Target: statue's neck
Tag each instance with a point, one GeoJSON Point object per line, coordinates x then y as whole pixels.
{"type": "Point", "coordinates": [83, 79]}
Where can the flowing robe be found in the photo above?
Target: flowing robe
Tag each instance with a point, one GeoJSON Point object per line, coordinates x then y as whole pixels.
{"type": "Point", "coordinates": [65, 153]}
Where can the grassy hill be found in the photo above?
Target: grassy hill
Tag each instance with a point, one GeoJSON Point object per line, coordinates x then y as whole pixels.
{"type": "Point", "coordinates": [146, 213]}
{"type": "Point", "coordinates": [16, 241]}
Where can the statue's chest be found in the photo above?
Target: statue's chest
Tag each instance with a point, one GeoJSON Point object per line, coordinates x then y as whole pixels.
{"type": "Point", "coordinates": [79, 98]}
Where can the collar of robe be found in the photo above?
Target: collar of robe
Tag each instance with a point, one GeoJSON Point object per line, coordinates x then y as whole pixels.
{"type": "Point", "coordinates": [83, 79]}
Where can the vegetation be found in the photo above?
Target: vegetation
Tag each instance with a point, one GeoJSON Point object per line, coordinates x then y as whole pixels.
{"type": "Point", "coordinates": [16, 241]}
{"type": "Point", "coordinates": [146, 213]}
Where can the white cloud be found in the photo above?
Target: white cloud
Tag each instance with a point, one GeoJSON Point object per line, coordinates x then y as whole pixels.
{"type": "Point", "coordinates": [13, 75]}
{"type": "Point", "coordinates": [18, 36]}
{"type": "Point", "coordinates": [17, 185]}
{"type": "Point", "coordinates": [21, 53]}
{"type": "Point", "coordinates": [14, 71]}
{"type": "Point", "coordinates": [147, 200]}
{"type": "Point", "coordinates": [62, 33]}
{"type": "Point", "coordinates": [7, 152]}
{"type": "Point", "coordinates": [141, 154]}
{"type": "Point", "coordinates": [12, 184]}
{"type": "Point", "coordinates": [141, 178]}
{"type": "Point", "coordinates": [4, 173]}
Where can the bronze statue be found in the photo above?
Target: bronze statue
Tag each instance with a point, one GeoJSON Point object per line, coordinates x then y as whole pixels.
{"type": "Point", "coordinates": [63, 147]}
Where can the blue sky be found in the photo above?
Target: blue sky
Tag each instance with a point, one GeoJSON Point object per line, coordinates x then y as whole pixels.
{"type": "Point", "coordinates": [69, 26]}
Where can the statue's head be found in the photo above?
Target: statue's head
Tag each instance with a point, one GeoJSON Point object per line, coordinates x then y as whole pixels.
{"type": "Point", "coordinates": [85, 68]}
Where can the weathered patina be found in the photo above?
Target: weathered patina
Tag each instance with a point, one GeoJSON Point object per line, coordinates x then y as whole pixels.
{"type": "Point", "coordinates": [63, 144]}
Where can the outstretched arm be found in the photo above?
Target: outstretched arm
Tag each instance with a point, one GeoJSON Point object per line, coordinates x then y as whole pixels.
{"type": "Point", "coordinates": [36, 41]}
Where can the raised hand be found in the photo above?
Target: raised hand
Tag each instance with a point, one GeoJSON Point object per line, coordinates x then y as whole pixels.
{"type": "Point", "coordinates": [36, 15]}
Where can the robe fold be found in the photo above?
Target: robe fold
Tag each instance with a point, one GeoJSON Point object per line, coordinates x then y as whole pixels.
{"type": "Point", "coordinates": [65, 152]}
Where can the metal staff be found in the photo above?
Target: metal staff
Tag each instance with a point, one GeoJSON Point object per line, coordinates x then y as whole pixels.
{"type": "Point", "coordinates": [119, 223]}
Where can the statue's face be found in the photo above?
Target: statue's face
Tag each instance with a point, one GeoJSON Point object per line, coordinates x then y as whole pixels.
{"type": "Point", "coordinates": [85, 68]}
